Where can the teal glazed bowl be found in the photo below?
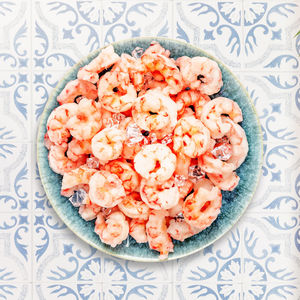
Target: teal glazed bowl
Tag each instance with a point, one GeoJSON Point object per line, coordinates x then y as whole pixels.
{"type": "Point", "coordinates": [234, 203]}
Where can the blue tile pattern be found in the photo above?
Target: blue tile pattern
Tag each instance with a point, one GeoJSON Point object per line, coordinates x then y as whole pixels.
{"type": "Point", "coordinates": [41, 258]}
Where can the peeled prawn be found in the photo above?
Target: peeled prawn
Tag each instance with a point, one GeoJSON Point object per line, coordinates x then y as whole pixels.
{"type": "Point", "coordinates": [108, 144]}
{"type": "Point", "coordinates": [105, 59]}
{"type": "Point", "coordinates": [78, 149]}
{"type": "Point", "coordinates": [137, 229]}
{"type": "Point", "coordinates": [191, 137]}
{"type": "Point", "coordinates": [76, 88]}
{"type": "Point", "coordinates": [154, 111]}
{"type": "Point", "coordinates": [158, 237]}
{"type": "Point", "coordinates": [113, 229]}
{"type": "Point", "coordinates": [181, 230]}
{"type": "Point", "coordinates": [106, 189]}
{"type": "Point", "coordinates": [202, 207]}
{"type": "Point", "coordinates": [76, 179]}
{"type": "Point", "coordinates": [211, 115]}
{"type": "Point", "coordinates": [58, 161]}
{"type": "Point", "coordinates": [160, 196]}
{"type": "Point", "coordinates": [200, 73]}
{"type": "Point", "coordinates": [133, 207]}
{"type": "Point", "coordinates": [125, 171]}
{"type": "Point", "coordinates": [57, 130]}
{"type": "Point", "coordinates": [87, 121]}
{"type": "Point", "coordinates": [155, 162]}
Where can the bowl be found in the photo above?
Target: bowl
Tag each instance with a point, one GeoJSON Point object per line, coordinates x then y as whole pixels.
{"type": "Point", "coordinates": [234, 203]}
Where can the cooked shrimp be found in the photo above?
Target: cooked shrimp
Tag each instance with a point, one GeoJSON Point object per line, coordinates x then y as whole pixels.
{"type": "Point", "coordinates": [135, 68]}
{"type": "Point", "coordinates": [157, 235]}
{"type": "Point", "coordinates": [113, 229]}
{"type": "Point", "coordinates": [133, 207]}
{"type": "Point", "coordinates": [155, 162]}
{"type": "Point", "coordinates": [154, 111]}
{"type": "Point", "coordinates": [160, 64]}
{"type": "Point", "coordinates": [108, 144]}
{"type": "Point", "coordinates": [182, 164]}
{"type": "Point", "coordinates": [105, 59]}
{"type": "Point", "coordinates": [89, 212]}
{"type": "Point", "coordinates": [200, 73]}
{"type": "Point", "coordinates": [190, 97]}
{"type": "Point", "coordinates": [181, 230]}
{"type": "Point", "coordinates": [76, 88]}
{"type": "Point", "coordinates": [185, 188]}
{"type": "Point", "coordinates": [211, 115]}
{"type": "Point", "coordinates": [202, 207]}
{"type": "Point", "coordinates": [106, 189]}
{"type": "Point", "coordinates": [226, 182]}
{"type": "Point", "coordinates": [76, 179]}
{"type": "Point", "coordinates": [57, 130]}
{"type": "Point", "coordinates": [191, 137]}
{"type": "Point", "coordinates": [125, 171]}
{"type": "Point", "coordinates": [137, 229]}
{"type": "Point", "coordinates": [156, 48]}
{"type": "Point", "coordinates": [115, 91]}
{"type": "Point", "coordinates": [160, 196]}
{"type": "Point", "coordinates": [58, 161]}
{"type": "Point", "coordinates": [78, 149]}
{"type": "Point", "coordinates": [209, 164]}
{"type": "Point", "coordinates": [87, 121]}
{"type": "Point", "coordinates": [238, 141]}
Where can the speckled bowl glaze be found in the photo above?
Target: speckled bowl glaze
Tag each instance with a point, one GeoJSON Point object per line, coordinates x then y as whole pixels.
{"type": "Point", "coordinates": [234, 203]}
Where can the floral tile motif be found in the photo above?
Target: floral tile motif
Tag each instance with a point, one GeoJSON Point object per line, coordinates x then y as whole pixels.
{"type": "Point", "coordinates": [213, 26]}
{"type": "Point", "coordinates": [126, 19]}
{"type": "Point", "coordinates": [64, 32]}
{"type": "Point", "coordinates": [15, 185]}
{"type": "Point", "coordinates": [15, 106]}
{"type": "Point", "coordinates": [242, 268]}
{"type": "Point", "coordinates": [15, 253]}
{"type": "Point", "coordinates": [15, 35]}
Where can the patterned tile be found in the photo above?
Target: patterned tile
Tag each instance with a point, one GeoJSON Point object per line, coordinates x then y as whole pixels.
{"type": "Point", "coordinates": [41, 259]}
{"type": "Point", "coordinates": [213, 26]}
{"type": "Point", "coordinates": [126, 19]}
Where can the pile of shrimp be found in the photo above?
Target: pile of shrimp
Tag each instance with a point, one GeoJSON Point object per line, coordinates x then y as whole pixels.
{"type": "Point", "coordinates": [150, 144]}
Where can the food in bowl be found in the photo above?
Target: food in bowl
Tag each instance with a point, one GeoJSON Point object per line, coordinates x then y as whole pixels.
{"type": "Point", "coordinates": [143, 148]}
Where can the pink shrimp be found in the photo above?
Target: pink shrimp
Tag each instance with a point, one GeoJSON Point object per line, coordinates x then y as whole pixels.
{"type": "Point", "coordinates": [211, 116]}
{"type": "Point", "coordinates": [156, 48]}
{"type": "Point", "coordinates": [158, 63]}
{"type": "Point", "coordinates": [57, 130]}
{"type": "Point", "coordinates": [181, 230]}
{"type": "Point", "coordinates": [182, 164]}
{"type": "Point", "coordinates": [89, 212]}
{"type": "Point", "coordinates": [137, 229]}
{"type": "Point", "coordinates": [155, 162]}
{"type": "Point", "coordinates": [200, 73]}
{"type": "Point", "coordinates": [133, 207]}
{"type": "Point", "coordinates": [105, 59]}
{"type": "Point", "coordinates": [76, 179]}
{"type": "Point", "coordinates": [158, 237]}
{"type": "Point", "coordinates": [106, 189]}
{"type": "Point", "coordinates": [226, 182]}
{"type": "Point", "coordinates": [87, 121]}
{"type": "Point", "coordinates": [112, 229]}
{"type": "Point", "coordinates": [202, 207]}
{"type": "Point", "coordinates": [160, 196]}
{"type": "Point", "coordinates": [125, 171]}
{"type": "Point", "coordinates": [76, 88]}
{"type": "Point", "coordinates": [78, 149]}
{"type": "Point", "coordinates": [135, 68]}
{"type": "Point", "coordinates": [116, 92]}
{"type": "Point", "coordinates": [191, 137]}
{"type": "Point", "coordinates": [58, 161]}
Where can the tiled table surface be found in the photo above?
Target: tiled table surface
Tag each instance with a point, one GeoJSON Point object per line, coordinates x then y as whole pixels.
{"type": "Point", "coordinates": [41, 259]}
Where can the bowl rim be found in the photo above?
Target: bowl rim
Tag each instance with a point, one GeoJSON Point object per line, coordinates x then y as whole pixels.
{"type": "Point", "coordinates": [40, 144]}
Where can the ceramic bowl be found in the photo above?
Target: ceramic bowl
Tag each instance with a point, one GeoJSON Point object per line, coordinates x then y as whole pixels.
{"type": "Point", "coordinates": [234, 203]}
